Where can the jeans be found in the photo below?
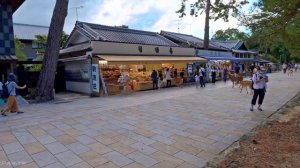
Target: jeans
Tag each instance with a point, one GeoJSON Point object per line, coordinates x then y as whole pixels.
{"type": "Point", "coordinates": [202, 83]}
{"type": "Point", "coordinates": [258, 93]}
{"type": "Point", "coordinates": [225, 77]}
{"type": "Point", "coordinates": [169, 83]}
{"type": "Point", "coordinates": [155, 84]}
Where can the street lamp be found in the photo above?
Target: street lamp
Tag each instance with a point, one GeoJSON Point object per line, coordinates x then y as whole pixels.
{"type": "Point", "coordinates": [76, 8]}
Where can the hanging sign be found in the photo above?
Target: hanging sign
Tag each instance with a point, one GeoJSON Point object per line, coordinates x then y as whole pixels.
{"type": "Point", "coordinates": [190, 68]}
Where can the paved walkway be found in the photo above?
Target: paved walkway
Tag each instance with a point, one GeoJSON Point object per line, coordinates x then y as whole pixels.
{"type": "Point", "coordinates": [173, 127]}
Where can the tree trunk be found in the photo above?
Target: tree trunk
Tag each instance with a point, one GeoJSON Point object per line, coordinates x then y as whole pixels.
{"type": "Point", "coordinates": [44, 89]}
{"type": "Point", "coordinates": [206, 28]}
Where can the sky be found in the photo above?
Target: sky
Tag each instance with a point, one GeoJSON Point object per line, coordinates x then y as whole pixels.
{"type": "Point", "coordinates": [148, 15]}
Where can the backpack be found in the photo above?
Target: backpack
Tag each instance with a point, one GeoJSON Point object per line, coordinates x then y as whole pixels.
{"type": "Point", "coordinates": [5, 92]}
{"type": "Point", "coordinates": [203, 73]}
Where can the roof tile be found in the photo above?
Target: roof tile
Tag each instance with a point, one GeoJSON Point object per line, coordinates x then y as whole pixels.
{"type": "Point", "coordinates": [28, 32]}
{"type": "Point", "coordinates": [122, 35]}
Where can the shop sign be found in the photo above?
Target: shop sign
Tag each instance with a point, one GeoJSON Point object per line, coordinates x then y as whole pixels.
{"type": "Point", "coordinates": [190, 68]}
{"type": "Point", "coordinates": [95, 78]}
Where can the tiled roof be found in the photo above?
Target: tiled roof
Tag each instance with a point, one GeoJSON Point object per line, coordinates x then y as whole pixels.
{"type": "Point", "coordinates": [15, 4]}
{"type": "Point", "coordinates": [76, 48]}
{"type": "Point", "coordinates": [244, 51]}
{"type": "Point", "coordinates": [8, 58]}
{"type": "Point", "coordinates": [122, 35]}
{"type": "Point", "coordinates": [228, 44]}
{"type": "Point", "coordinates": [188, 40]}
{"type": "Point", "coordinates": [28, 32]}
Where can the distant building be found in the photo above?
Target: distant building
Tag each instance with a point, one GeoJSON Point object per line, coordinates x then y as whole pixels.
{"type": "Point", "coordinates": [214, 52]}
{"type": "Point", "coordinates": [238, 48]}
{"type": "Point", "coordinates": [27, 35]}
{"type": "Point", "coordinates": [7, 45]}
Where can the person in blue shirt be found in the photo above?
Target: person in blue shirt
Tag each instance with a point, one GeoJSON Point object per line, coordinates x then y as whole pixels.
{"type": "Point", "coordinates": [11, 104]}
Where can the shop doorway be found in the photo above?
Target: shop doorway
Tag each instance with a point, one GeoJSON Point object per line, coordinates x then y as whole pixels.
{"type": "Point", "coordinates": [60, 81]}
{"type": "Point", "coordinates": [3, 71]}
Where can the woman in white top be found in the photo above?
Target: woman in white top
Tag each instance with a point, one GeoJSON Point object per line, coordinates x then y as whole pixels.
{"type": "Point", "coordinates": [259, 86]}
{"type": "Point", "coordinates": [168, 77]}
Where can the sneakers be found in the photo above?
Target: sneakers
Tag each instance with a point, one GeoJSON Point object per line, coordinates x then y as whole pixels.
{"type": "Point", "coordinates": [20, 112]}
{"type": "Point", "coordinates": [259, 109]}
{"type": "Point", "coordinates": [3, 113]}
{"type": "Point", "coordinates": [251, 108]}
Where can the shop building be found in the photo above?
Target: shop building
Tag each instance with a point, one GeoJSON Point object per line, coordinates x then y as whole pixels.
{"type": "Point", "coordinates": [240, 51]}
{"type": "Point", "coordinates": [217, 56]}
{"type": "Point", "coordinates": [106, 60]}
{"type": "Point", "coordinates": [8, 58]}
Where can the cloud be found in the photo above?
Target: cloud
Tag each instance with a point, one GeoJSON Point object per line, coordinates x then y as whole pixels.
{"type": "Point", "coordinates": [149, 15]}
{"type": "Point", "coordinates": [124, 12]}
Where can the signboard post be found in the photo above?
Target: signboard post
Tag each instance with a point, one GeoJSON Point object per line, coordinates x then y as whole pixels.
{"type": "Point", "coordinates": [95, 78]}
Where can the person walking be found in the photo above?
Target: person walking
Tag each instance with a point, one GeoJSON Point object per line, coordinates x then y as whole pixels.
{"type": "Point", "coordinates": [225, 73]}
{"type": "Point", "coordinates": [168, 78]}
{"type": "Point", "coordinates": [11, 105]}
{"type": "Point", "coordinates": [202, 76]}
{"type": "Point", "coordinates": [259, 87]}
{"type": "Point", "coordinates": [181, 74]}
{"type": "Point", "coordinates": [213, 74]}
{"type": "Point", "coordinates": [160, 80]}
{"type": "Point", "coordinates": [154, 79]}
{"type": "Point", "coordinates": [237, 69]}
{"type": "Point", "coordinates": [1, 91]}
{"type": "Point", "coordinates": [197, 80]}
{"type": "Point", "coordinates": [284, 67]}
{"type": "Point", "coordinates": [296, 67]}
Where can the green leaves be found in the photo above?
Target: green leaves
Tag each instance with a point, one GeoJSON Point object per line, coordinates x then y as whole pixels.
{"type": "Point", "coordinates": [230, 34]}
{"type": "Point", "coordinates": [275, 22]}
{"type": "Point", "coordinates": [19, 46]}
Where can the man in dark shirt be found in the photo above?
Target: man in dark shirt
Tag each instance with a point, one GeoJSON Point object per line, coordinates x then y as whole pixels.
{"type": "Point", "coordinates": [154, 79]}
{"type": "Point", "coordinates": [181, 74]}
{"type": "Point", "coordinates": [237, 69]}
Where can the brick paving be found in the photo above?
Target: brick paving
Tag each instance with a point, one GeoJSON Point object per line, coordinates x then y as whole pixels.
{"type": "Point", "coordinates": [165, 128]}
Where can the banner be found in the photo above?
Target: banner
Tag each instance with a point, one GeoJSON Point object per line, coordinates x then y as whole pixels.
{"type": "Point", "coordinates": [95, 78]}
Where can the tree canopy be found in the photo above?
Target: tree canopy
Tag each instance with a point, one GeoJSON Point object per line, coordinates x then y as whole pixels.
{"type": "Point", "coordinates": [275, 23]}
{"type": "Point", "coordinates": [229, 35]}
{"type": "Point", "coordinates": [19, 53]}
{"type": "Point", "coordinates": [218, 9]}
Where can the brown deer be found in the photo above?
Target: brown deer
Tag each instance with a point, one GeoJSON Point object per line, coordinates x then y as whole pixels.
{"type": "Point", "coordinates": [235, 79]}
{"type": "Point", "coordinates": [245, 84]}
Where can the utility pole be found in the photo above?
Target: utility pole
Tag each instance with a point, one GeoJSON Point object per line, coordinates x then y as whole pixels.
{"type": "Point", "coordinates": [76, 8]}
{"type": "Point", "coordinates": [178, 25]}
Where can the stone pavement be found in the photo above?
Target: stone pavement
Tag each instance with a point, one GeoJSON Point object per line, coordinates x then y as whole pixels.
{"type": "Point", "coordinates": [166, 128]}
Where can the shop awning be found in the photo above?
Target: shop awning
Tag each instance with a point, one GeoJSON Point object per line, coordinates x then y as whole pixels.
{"type": "Point", "coordinates": [222, 58]}
{"type": "Point", "coordinates": [259, 60]}
{"type": "Point", "coordinates": [79, 58]}
{"type": "Point", "coordinates": [113, 58]}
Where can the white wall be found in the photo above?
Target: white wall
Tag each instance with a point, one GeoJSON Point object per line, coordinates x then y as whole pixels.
{"type": "Point", "coordinates": [104, 48]}
{"type": "Point", "coordinates": [81, 82]}
{"type": "Point", "coordinates": [80, 87]}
